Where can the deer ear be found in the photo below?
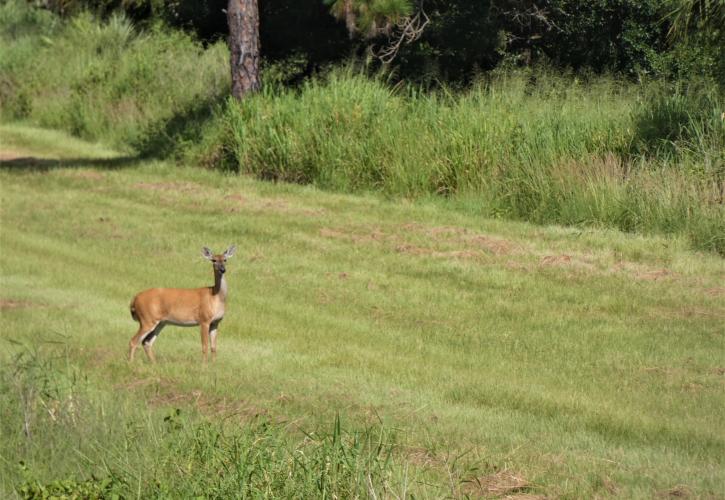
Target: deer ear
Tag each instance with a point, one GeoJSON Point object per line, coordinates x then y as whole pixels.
{"type": "Point", "coordinates": [230, 251]}
{"type": "Point", "coordinates": [207, 253]}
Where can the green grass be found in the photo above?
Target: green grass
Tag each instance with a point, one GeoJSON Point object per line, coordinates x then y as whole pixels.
{"type": "Point", "coordinates": [459, 351]}
{"type": "Point", "coordinates": [641, 158]}
{"type": "Point", "coordinates": [532, 145]}
{"type": "Point", "coordinates": [124, 450]}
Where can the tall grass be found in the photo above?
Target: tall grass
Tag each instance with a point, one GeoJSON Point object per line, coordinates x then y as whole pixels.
{"type": "Point", "coordinates": [105, 80]}
{"type": "Point", "coordinates": [551, 151]}
{"type": "Point", "coordinates": [74, 440]}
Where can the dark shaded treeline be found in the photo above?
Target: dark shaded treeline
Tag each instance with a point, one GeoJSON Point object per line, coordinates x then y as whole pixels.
{"type": "Point", "coordinates": [463, 38]}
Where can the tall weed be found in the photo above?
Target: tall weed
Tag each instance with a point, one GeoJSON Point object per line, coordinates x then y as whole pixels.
{"type": "Point", "coordinates": [61, 437]}
{"type": "Point", "coordinates": [538, 147]}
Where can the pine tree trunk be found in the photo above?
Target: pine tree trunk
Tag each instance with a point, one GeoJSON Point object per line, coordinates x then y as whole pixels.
{"type": "Point", "coordinates": [243, 19]}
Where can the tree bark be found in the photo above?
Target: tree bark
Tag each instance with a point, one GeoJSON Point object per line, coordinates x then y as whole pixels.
{"type": "Point", "coordinates": [243, 20]}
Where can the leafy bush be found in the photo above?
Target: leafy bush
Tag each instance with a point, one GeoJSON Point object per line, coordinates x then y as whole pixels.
{"type": "Point", "coordinates": [104, 80]}
{"type": "Point", "coordinates": [71, 489]}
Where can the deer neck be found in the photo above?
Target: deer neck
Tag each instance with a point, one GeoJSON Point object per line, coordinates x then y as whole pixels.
{"type": "Point", "coordinates": [220, 285]}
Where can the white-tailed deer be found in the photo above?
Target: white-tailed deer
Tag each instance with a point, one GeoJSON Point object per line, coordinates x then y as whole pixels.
{"type": "Point", "coordinates": [158, 307]}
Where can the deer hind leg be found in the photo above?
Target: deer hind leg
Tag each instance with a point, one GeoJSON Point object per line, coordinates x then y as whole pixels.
{"type": "Point", "coordinates": [212, 337]}
{"type": "Point", "coordinates": [204, 341]}
{"type": "Point", "coordinates": [148, 341]}
{"type": "Point", "coordinates": [143, 330]}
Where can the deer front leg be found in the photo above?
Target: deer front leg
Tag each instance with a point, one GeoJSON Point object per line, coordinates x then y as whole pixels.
{"type": "Point", "coordinates": [204, 341]}
{"type": "Point", "coordinates": [212, 337]}
{"type": "Point", "coordinates": [149, 352]}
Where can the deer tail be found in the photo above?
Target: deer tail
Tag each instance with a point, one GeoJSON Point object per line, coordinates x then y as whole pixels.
{"type": "Point", "coordinates": [133, 309]}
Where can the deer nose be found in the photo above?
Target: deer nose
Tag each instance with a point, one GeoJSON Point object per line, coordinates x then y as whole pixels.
{"type": "Point", "coordinates": [222, 269]}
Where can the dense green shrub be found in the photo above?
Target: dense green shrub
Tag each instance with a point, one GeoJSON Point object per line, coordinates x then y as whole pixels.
{"type": "Point", "coordinates": [624, 36]}
{"type": "Point", "coordinates": [71, 489]}
{"type": "Point", "coordinates": [104, 80]}
{"type": "Point", "coordinates": [549, 149]}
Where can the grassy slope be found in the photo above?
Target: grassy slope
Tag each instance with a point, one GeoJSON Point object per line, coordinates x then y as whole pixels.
{"type": "Point", "coordinates": [530, 144]}
{"type": "Point", "coordinates": [586, 361]}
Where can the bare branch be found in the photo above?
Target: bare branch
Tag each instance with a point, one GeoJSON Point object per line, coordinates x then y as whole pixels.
{"type": "Point", "coordinates": [409, 29]}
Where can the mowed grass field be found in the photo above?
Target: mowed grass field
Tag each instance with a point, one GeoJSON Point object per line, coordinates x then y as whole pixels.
{"type": "Point", "coordinates": [505, 358]}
